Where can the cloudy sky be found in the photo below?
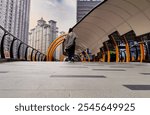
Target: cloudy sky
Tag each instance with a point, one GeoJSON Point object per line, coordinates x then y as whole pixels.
{"type": "Point", "coordinates": [62, 11]}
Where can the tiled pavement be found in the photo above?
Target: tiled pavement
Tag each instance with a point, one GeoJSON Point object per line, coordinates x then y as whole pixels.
{"type": "Point", "coordinates": [69, 80]}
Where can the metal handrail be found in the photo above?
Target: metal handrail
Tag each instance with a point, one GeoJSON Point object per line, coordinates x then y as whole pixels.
{"type": "Point", "coordinates": [6, 33]}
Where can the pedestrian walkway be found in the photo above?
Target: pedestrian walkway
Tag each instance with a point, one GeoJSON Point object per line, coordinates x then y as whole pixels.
{"type": "Point", "coordinates": [63, 79]}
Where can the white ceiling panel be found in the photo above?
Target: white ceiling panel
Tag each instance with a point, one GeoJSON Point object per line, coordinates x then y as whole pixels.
{"type": "Point", "coordinates": [110, 16]}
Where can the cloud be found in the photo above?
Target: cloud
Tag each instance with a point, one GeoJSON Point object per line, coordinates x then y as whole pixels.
{"type": "Point", "coordinates": [51, 3]}
{"type": "Point", "coordinates": [71, 3]}
{"type": "Point", "coordinates": [59, 1]}
{"type": "Point", "coordinates": [54, 2]}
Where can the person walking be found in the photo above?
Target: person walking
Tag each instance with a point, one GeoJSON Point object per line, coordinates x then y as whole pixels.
{"type": "Point", "coordinates": [70, 45]}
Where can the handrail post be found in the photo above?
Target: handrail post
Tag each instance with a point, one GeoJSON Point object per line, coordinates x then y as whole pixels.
{"type": "Point", "coordinates": [2, 45]}
{"type": "Point", "coordinates": [39, 57]}
{"type": "Point", "coordinates": [18, 54]}
{"type": "Point", "coordinates": [32, 54]}
{"type": "Point", "coordinates": [35, 56]}
{"type": "Point", "coordinates": [12, 48]}
{"type": "Point", "coordinates": [26, 53]}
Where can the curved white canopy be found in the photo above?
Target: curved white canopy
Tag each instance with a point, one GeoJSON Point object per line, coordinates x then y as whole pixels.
{"type": "Point", "coordinates": [110, 16]}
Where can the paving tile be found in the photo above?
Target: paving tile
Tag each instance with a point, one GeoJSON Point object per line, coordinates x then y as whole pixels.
{"type": "Point", "coordinates": [138, 87]}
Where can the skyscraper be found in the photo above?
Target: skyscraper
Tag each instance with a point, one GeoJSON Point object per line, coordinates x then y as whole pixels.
{"type": "Point", "coordinates": [14, 17]}
{"type": "Point", "coordinates": [84, 6]}
{"type": "Point", "coordinates": [42, 35]}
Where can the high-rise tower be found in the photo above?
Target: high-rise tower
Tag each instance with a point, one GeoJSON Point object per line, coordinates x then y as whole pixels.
{"type": "Point", "coordinates": [14, 17]}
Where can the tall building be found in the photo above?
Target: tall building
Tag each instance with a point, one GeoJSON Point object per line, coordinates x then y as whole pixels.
{"type": "Point", "coordinates": [84, 6]}
{"type": "Point", "coordinates": [42, 35]}
{"type": "Point", "coordinates": [14, 17]}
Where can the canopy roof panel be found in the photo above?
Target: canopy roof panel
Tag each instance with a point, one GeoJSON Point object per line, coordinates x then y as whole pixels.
{"type": "Point", "coordinates": [110, 16]}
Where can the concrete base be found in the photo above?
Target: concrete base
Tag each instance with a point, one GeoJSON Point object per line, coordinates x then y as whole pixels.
{"type": "Point", "coordinates": [69, 80]}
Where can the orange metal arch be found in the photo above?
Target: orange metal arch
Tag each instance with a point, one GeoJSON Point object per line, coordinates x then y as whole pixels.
{"type": "Point", "coordinates": [142, 52]}
{"type": "Point", "coordinates": [103, 57]}
{"type": "Point", "coordinates": [108, 56]}
{"type": "Point", "coordinates": [53, 46]}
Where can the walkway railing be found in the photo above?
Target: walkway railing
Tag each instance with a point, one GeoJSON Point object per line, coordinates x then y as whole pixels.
{"type": "Point", "coordinates": [13, 48]}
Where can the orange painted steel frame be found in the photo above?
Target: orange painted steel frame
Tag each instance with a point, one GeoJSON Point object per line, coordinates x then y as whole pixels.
{"type": "Point", "coordinates": [142, 51]}
{"type": "Point", "coordinates": [53, 47]}
{"type": "Point", "coordinates": [127, 49]}
{"type": "Point", "coordinates": [108, 56]}
{"type": "Point", "coordinates": [103, 56]}
{"type": "Point", "coordinates": [117, 49]}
